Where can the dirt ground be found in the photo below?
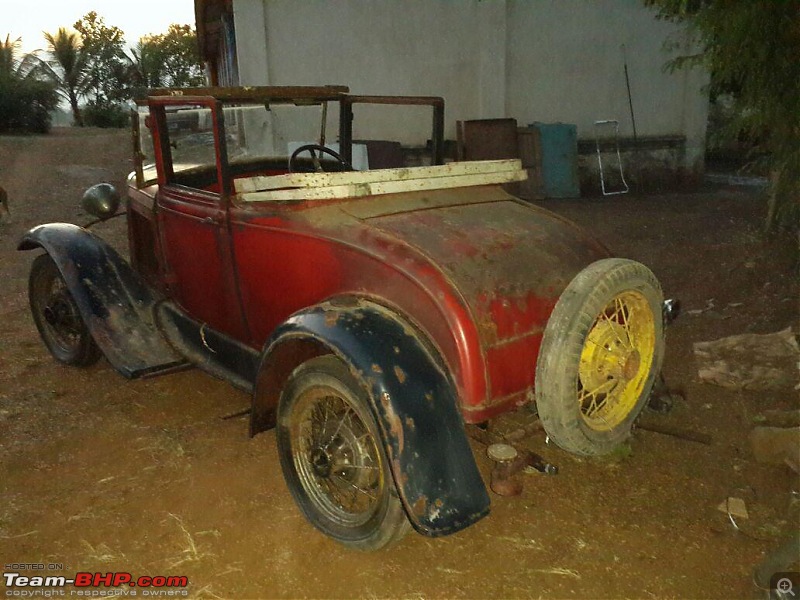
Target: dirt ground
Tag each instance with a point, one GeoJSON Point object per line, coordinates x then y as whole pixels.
{"type": "Point", "coordinates": [98, 473]}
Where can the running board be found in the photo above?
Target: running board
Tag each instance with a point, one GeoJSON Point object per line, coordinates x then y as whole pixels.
{"type": "Point", "coordinates": [208, 349]}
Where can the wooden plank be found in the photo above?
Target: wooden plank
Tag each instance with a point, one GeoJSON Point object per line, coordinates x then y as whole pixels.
{"type": "Point", "coordinates": [310, 180]}
{"type": "Point", "coordinates": [271, 94]}
{"type": "Point", "coordinates": [358, 190]}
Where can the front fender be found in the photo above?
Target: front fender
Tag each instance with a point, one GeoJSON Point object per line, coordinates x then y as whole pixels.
{"type": "Point", "coordinates": [411, 397]}
{"type": "Point", "coordinates": [115, 304]}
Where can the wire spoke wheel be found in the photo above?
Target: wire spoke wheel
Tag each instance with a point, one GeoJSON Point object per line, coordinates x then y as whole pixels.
{"type": "Point", "coordinates": [333, 459]}
{"type": "Point", "coordinates": [600, 354]}
{"type": "Point", "coordinates": [57, 316]}
{"type": "Point", "coordinates": [616, 360]}
{"type": "Point", "coordinates": [338, 461]}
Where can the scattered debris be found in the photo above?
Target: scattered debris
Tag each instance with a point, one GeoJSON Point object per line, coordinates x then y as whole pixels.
{"type": "Point", "coordinates": [524, 432]}
{"type": "Point", "coordinates": [734, 507]}
{"type": "Point", "coordinates": [509, 462]}
{"type": "Point", "coordinates": [672, 430]}
{"type": "Point", "coordinates": [503, 479]}
{"type": "Point", "coordinates": [662, 404]}
{"type": "Point", "coordinates": [776, 445]}
{"type": "Point", "coordinates": [779, 418]}
{"type": "Point", "coordinates": [502, 452]}
{"type": "Point", "coordinates": [663, 398]}
{"type": "Point", "coordinates": [750, 361]}
{"type": "Point", "coordinates": [698, 311]}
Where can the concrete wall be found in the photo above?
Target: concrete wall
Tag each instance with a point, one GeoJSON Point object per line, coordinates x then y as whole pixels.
{"type": "Point", "coordinates": [566, 63]}
{"type": "Point", "coordinates": [534, 60]}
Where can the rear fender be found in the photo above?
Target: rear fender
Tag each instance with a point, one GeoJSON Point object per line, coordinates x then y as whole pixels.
{"type": "Point", "coordinates": [411, 397]}
{"type": "Point", "coordinates": [115, 304]}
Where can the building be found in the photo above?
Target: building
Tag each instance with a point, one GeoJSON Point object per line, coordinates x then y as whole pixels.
{"type": "Point", "coordinates": [533, 60]}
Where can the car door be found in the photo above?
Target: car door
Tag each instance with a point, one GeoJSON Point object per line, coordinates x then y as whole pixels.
{"type": "Point", "coordinates": [193, 212]}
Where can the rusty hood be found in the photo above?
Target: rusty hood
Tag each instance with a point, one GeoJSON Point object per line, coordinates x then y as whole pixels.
{"type": "Point", "coordinates": [508, 260]}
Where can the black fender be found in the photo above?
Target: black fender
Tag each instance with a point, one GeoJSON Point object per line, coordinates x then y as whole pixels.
{"type": "Point", "coordinates": [115, 304]}
{"type": "Point", "coordinates": [412, 398]}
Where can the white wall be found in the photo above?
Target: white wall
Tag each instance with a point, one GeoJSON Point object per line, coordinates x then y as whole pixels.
{"type": "Point", "coordinates": [535, 60]}
{"type": "Point", "coordinates": [566, 63]}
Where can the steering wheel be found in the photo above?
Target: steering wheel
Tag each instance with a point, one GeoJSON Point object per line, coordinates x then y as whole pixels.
{"type": "Point", "coordinates": [310, 148]}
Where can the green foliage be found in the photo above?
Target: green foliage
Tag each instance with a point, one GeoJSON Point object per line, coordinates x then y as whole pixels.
{"type": "Point", "coordinates": [105, 55]}
{"type": "Point", "coordinates": [13, 67]}
{"type": "Point", "coordinates": [25, 100]}
{"type": "Point", "coordinates": [68, 68]}
{"type": "Point", "coordinates": [168, 59]}
{"type": "Point", "coordinates": [105, 115]}
{"type": "Point", "coordinates": [92, 66]}
{"type": "Point", "coordinates": [25, 106]}
{"type": "Point", "coordinates": [750, 48]}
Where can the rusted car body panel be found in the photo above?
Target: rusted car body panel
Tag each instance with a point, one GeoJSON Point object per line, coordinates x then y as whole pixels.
{"type": "Point", "coordinates": [468, 282]}
{"type": "Point", "coordinates": [412, 399]}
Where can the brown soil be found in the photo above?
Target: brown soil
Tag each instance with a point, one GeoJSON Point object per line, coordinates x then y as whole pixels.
{"type": "Point", "coordinates": [103, 474]}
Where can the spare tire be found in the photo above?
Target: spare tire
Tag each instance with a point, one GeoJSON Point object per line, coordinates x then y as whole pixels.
{"type": "Point", "coordinates": [600, 355]}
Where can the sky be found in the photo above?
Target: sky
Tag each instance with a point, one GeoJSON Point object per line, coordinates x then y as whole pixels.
{"type": "Point", "coordinates": [28, 19]}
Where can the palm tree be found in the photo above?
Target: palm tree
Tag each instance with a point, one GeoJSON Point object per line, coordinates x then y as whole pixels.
{"type": "Point", "coordinates": [68, 68]}
{"type": "Point", "coordinates": [25, 100]}
{"type": "Point", "coordinates": [140, 70]}
{"type": "Point", "coordinates": [13, 68]}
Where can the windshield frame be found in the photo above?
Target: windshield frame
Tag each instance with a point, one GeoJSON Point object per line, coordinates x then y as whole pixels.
{"type": "Point", "coordinates": [217, 99]}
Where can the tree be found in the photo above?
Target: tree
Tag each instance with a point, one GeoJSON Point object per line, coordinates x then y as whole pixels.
{"type": "Point", "coordinates": [9, 65]}
{"type": "Point", "coordinates": [104, 49]}
{"type": "Point", "coordinates": [146, 67]}
{"type": "Point", "coordinates": [25, 100]}
{"type": "Point", "coordinates": [750, 48]}
{"type": "Point", "coordinates": [68, 68]}
{"type": "Point", "coordinates": [12, 67]}
{"type": "Point", "coordinates": [168, 59]}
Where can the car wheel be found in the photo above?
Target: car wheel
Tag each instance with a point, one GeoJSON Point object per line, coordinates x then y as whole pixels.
{"type": "Point", "coordinates": [600, 355]}
{"type": "Point", "coordinates": [57, 316]}
{"type": "Point", "coordinates": [333, 459]}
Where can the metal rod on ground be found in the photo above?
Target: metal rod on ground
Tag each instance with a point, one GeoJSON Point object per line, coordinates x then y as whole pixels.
{"type": "Point", "coordinates": [677, 432]}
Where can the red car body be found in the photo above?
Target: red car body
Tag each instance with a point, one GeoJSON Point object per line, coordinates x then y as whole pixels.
{"type": "Point", "coordinates": [434, 286]}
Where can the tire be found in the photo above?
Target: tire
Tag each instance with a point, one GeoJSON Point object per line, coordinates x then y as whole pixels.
{"type": "Point", "coordinates": [333, 460]}
{"type": "Point", "coordinates": [57, 317]}
{"type": "Point", "coordinates": [600, 356]}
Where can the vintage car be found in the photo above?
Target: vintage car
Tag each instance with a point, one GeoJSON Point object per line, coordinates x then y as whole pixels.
{"type": "Point", "coordinates": [370, 313]}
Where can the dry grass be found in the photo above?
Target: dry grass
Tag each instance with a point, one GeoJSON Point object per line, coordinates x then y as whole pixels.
{"type": "Point", "coordinates": [558, 571]}
{"type": "Point", "coordinates": [101, 553]}
{"type": "Point", "coordinates": [190, 553]}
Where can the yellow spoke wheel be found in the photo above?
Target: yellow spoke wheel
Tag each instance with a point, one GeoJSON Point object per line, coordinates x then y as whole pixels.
{"type": "Point", "coordinates": [600, 355]}
{"type": "Point", "coordinates": [616, 360]}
